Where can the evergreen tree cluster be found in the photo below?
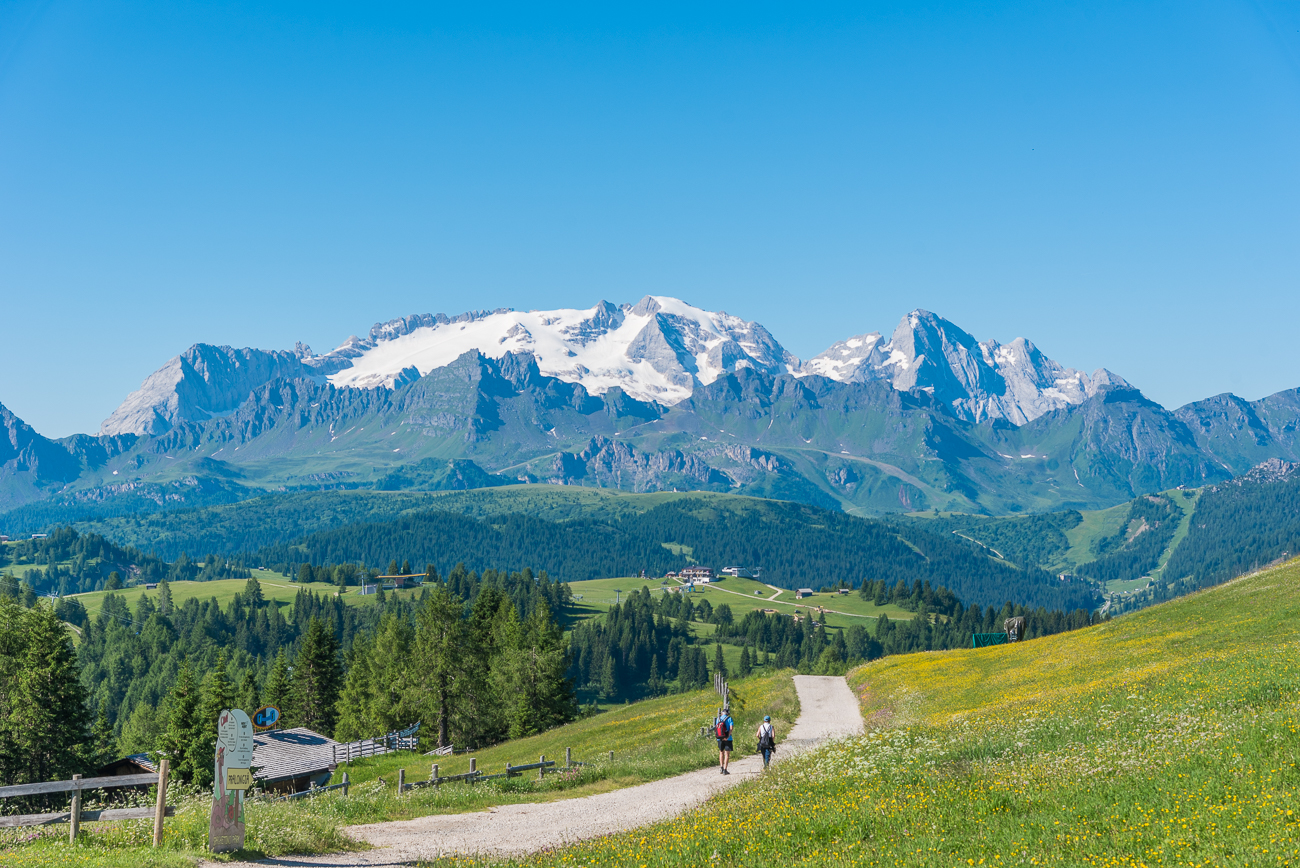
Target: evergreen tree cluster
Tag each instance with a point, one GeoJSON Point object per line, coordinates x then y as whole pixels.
{"type": "Point", "coordinates": [478, 657]}
{"type": "Point", "coordinates": [1260, 518]}
{"type": "Point", "coordinates": [46, 732]}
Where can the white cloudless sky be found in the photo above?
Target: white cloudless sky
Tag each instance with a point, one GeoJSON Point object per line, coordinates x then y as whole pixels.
{"type": "Point", "coordinates": [1117, 182]}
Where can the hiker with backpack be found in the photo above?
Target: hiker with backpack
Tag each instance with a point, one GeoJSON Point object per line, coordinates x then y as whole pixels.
{"type": "Point", "coordinates": [722, 726]}
{"type": "Point", "coordinates": [766, 739]}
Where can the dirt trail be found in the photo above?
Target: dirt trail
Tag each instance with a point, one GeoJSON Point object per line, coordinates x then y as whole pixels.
{"type": "Point", "coordinates": [828, 710]}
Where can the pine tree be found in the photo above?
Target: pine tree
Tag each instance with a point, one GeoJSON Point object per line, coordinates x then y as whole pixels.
{"type": "Point", "coordinates": [543, 696]}
{"type": "Point", "coordinates": [317, 677]}
{"type": "Point", "coordinates": [140, 731]}
{"type": "Point", "coordinates": [218, 695]}
{"type": "Point", "coordinates": [356, 700]}
{"type": "Point", "coordinates": [389, 662]}
{"type": "Point", "coordinates": [608, 679]}
{"type": "Point", "coordinates": [441, 659]}
{"type": "Point", "coordinates": [249, 700]}
{"type": "Point", "coordinates": [50, 726]}
{"type": "Point", "coordinates": [252, 595]}
{"type": "Point", "coordinates": [278, 691]}
{"type": "Point", "coordinates": [182, 739]}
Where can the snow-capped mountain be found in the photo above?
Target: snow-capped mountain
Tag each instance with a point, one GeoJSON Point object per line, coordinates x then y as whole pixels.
{"type": "Point", "coordinates": [661, 349]}
{"type": "Point", "coordinates": [978, 380]}
{"type": "Point", "coordinates": [658, 350]}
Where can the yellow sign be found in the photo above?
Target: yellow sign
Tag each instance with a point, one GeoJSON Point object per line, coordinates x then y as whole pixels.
{"type": "Point", "coordinates": [239, 779]}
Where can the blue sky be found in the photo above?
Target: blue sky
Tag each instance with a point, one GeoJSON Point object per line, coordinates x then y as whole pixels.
{"type": "Point", "coordinates": [1118, 182]}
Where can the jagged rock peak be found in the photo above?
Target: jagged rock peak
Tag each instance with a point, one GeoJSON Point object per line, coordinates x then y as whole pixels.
{"type": "Point", "coordinates": [977, 380]}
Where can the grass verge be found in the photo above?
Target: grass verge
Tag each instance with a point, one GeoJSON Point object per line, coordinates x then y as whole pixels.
{"type": "Point", "coordinates": [1165, 737]}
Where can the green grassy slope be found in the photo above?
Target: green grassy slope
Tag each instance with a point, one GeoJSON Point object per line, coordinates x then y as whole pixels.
{"type": "Point", "coordinates": [1165, 737]}
{"type": "Point", "coordinates": [274, 587]}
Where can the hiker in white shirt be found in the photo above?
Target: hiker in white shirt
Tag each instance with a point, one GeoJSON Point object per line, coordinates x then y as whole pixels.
{"type": "Point", "coordinates": [766, 739]}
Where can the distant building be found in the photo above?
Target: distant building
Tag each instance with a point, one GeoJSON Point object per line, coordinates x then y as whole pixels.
{"type": "Point", "coordinates": [150, 586]}
{"type": "Point", "coordinates": [697, 575]}
{"type": "Point", "coordinates": [803, 592]}
{"type": "Point", "coordinates": [392, 583]}
{"type": "Point", "coordinates": [843, 592]}
{"type": "Point", "coordinates": [3, 538]}
{"type": "Point", "coordinates": [40, 535]}
{"type": "Point", "coordinates": [740, 572]}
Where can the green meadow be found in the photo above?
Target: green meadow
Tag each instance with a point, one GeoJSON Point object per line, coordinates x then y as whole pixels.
{"type": "Point", "coordinates": [1164, 737]}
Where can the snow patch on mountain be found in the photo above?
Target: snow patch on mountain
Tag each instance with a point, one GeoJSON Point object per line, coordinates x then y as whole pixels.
{"type": "Point", "coordinates": [660, 349]}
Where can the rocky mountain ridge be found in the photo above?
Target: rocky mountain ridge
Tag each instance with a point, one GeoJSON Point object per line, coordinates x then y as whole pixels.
{"type": "Point", "coordinates": [649, 397]}
{"type": "Point", "coordinates": [660, 349]}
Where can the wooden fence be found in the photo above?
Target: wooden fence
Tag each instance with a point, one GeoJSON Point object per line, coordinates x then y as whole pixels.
{"type": "Point", "coordinates": [543, 767]}
{"type": "Point", "coordinates": [75, 816]}
{"type": "Point", "coordinates": [390, 743]}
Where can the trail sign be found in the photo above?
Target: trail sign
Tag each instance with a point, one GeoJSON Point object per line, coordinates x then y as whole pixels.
{"type": "Point", "coordinates": [266, 717]}
{"type": "Point", "coordinates": [232, 777]}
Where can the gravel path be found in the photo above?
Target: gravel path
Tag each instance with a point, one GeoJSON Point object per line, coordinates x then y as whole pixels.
{"type": "Point", "coordinates": [828, 710]}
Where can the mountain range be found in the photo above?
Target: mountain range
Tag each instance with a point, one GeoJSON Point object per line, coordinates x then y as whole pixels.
{"type": "Point", "coordinates": [654, 396]}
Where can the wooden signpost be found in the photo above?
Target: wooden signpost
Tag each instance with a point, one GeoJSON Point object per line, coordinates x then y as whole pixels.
{"type": "Point", "coordinates": [232, 779]}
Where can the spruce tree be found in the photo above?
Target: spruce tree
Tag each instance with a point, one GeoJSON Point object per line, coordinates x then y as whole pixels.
{"type": "Point", "coordinates": [719, 664]}
{"type": "Point", "coordinates": [102, 747]}
{"type": "Point", "coordinates": [608, 679]}
{"type": "Point", "coordinates": [182, 739]}
{"type": "Point", "coordinates": [50, 726]}
{"type": "Point", "coordinates": [165, 604]}
{"type": "Point", "coordinates": [389, 660]}
{"type": "Point", "coordinates": [317, 677]}
{"type": "Point", "coordinates": [12, 648]}
{"type": "Point", "coordinates": [278, 691]}
{"type": "Point", "coordinates": [356, 700]}
{"type": "Point", "coordinates": [252, 595]}
{"type": "Point", "coordinates": [442, 660]}
{"type": "Point", "coordinates": [249, 696]}
{"type": "Point", "coordinates": [743, 670]}
{"type": "Point", "coordinates": [544, 696]}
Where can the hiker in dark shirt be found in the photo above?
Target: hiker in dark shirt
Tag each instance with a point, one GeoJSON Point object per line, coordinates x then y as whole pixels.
{"type": "Point", "coordinates": [722, 726]}
{"type": "Point", "coordinates": [766, 739]}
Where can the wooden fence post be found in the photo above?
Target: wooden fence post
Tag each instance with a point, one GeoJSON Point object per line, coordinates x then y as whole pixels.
{"type": "Point", "coordinates": [473, 766]}
{"type": "Point", "coordinates": [75, 819]}
{"type": "Point", "coordinates": [433, 774]}
{"type": "Point", "coordinates": [611, 756]}
{"type": "Point", "coordinates": [401, 781]}
{"type": "Point", "coordinates": [507, 770]}
{"type": "Point", "coordinates": [541, 770]}
{"type": "Point", "coordinates": [160, 810]}
{"type": "Point", "coordinates": [345, 783]}
{"type": "Point", "coordinates": [568, 757]}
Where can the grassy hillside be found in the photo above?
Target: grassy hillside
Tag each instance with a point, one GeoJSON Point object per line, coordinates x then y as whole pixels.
{"type": "Point", "coordinates": [1165, 737]}
{"type": "Point", "coordinates": [743, 596]}
{"type": "Point", "coordinates": [274, 587]}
